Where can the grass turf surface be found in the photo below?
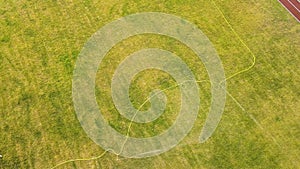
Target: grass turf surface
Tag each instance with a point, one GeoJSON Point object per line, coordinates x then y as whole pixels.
{"type": "Point", "coordinates": [40, 42]}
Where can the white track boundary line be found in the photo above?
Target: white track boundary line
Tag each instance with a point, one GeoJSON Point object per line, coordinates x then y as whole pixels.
{"type": "Point", "coordinates": [289, 11]}
{"type": "Point", "coordinates": [293, 5]}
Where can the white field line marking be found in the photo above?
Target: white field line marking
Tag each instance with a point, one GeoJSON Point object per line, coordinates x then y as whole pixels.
{"type": "Point", "coordinates": [293, 5]}
{"type": "Point", "coordinates": [289, 11]}
{"type": "Point", "coordinates": [253, 118]}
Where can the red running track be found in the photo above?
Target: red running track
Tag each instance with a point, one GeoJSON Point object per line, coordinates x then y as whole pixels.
{"type": "Point", "coordinates": [293, 6]}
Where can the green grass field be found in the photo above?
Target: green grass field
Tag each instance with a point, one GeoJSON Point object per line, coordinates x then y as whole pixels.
{"type": "Point", "coordinates": [40, 42]}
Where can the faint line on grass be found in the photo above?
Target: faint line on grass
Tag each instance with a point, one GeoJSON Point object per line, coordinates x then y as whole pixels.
{"type": "Point", "coordinates": [242, 71]}
{"type": "Point", "coordinates": [80, 159]}
{"type": "Point", "coordinates": [241, 40]}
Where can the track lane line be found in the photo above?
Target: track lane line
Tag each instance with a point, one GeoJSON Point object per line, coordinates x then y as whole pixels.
{"type": "Point", "coordinates": [296, 3]}
{"type": "Point", "coordinates": [293, 10]}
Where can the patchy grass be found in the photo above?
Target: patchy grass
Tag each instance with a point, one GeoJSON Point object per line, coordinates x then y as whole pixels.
{"type": "Point", "coordinates": [39, 44]}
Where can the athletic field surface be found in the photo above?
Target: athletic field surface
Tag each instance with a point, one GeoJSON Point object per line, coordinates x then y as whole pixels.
{"type": "Point", "coordinates": [293, 6]}
{"type": "Point", "coordinates": [150, 84]}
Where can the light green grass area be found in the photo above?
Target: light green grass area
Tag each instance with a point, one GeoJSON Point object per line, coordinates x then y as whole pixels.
{"type": "Point", "coordinates": [40, 42]}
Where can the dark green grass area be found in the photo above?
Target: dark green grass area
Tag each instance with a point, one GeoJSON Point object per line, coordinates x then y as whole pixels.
{"type": "Point", "coordinates": [40, 42]}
